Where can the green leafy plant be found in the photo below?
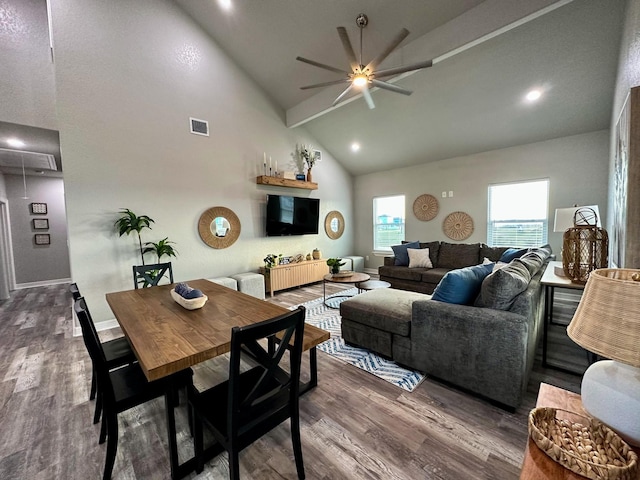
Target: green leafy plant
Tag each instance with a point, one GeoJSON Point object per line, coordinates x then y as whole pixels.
{"type": "Point", "coordinates": [160, 249]}
{"type": "Point", "coordinates": [130, 222]}
{"type": "Point", "coordinates": [271, 260]}
{"type": "Point", "coordinates": [335, 264]}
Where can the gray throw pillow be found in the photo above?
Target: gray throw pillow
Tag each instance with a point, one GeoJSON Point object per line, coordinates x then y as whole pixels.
{"type": "Point", "coordinates": [500, 289]}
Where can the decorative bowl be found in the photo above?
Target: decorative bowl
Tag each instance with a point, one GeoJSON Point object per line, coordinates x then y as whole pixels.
{"type": "Point", "coordinates": [342, 273]}
{"type": "Point", "coordinates": [189, 303]}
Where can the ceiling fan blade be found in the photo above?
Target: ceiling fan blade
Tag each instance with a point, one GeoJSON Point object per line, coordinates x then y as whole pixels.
{"type": "Point", "coordinates": [367, 97]}
{"type": "Point", "coordinates": [373, 64]}
{"type": "Point", "coordinates": [341, 96]}
{"type": "Point", "coordinates": [391, 87]}
{"type": "Point", "coordinates": [325, 84]}
{"type": "Point", "coordinates": [395, 71]}
{"type": "Point", "coordinates": [322, 65]}
{"type": "Point", "coordinates": [346, 43]}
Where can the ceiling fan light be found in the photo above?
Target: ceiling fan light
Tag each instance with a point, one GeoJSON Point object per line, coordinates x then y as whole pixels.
{"type": "Point", "coordinates": [360, 80]}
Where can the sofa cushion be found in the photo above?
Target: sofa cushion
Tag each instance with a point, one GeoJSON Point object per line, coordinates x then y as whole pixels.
{"type": "Point", "coordinates": [386, 309]}
{"type": "Point", "coordinates": [434, 275]}
{"type": "Point", "coordinates": [533, 261]}
{"type": "Point", "coordinates": [400, 252]}
{"type": "Point", "coordinates": [492, 253]}
{"type": "Point", "coordinates": [402, 273]}
{"type": "Point", "coordinates": [434, 249]}
{"type": "Point", "coordinates": [458, 255]}
{"type": "Point", "coordinates": [511, 253]}
{"type": "Point", "coordinates": [419, 258]}
{"type": "Point", "coordinates": [461, 286]}
{"type": "Point", "coordinates": [500, 289]}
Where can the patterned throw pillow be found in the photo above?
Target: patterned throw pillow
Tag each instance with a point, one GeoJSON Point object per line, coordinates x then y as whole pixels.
{"type": "Point", "coordinates": [419, 258]}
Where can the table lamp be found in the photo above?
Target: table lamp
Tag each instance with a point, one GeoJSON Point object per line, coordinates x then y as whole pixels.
{"type": "Point", "coordinates": [607, 322]}
{"type": "Point", "coordinates": [585, 245]}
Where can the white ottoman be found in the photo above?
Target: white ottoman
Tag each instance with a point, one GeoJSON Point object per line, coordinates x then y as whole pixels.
{"type": "Point", "coordinates": [250, 283]}
{"type": "Point", "coordinates": [357, 263]}
{"type": "Point", "coordinates": [225, 282]}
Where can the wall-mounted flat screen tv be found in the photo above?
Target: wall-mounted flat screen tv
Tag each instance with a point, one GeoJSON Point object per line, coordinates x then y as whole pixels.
{"type": "Point", "coordinates": [288, 215]}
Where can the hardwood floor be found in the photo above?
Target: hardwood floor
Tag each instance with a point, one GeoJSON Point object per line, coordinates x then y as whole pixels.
{"type": "Point", "coordinates": [354, 425]}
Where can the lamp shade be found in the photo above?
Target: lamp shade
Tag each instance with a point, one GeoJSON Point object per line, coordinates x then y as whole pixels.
{"type": "Point", "coordinates": [607, 320]}
{"type": "Point", "coordinates": [564, 217]}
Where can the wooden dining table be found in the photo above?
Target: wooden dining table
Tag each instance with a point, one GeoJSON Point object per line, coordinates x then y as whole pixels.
{"type": "Point", "coordinates": [168, 338]}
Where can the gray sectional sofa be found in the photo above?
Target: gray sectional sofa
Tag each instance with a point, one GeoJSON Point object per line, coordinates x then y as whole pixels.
{"type": "Point", "coordinates": [444, 258]}
{"type": "Point", "coordinates": [486, 347]}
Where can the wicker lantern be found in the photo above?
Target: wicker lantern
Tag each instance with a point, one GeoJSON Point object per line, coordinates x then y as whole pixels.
{"type": "Point", "coordinates": [585, 246]}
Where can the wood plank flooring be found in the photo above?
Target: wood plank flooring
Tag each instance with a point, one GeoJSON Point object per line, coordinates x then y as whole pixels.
{"type": "Point", "coordinates": [354, 425]}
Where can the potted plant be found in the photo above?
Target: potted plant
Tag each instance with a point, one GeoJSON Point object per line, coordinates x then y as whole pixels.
{"type": "Point", "coordinates": [130, 222]}
{"type": "Point", "coordinates": [160, 249]}
{"type": "Point", "coordinates": [271, 260]}
{"type": "Point", "coordinates": [335, 264]}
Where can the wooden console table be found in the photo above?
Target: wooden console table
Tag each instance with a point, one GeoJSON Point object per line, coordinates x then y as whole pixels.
{"type": "Point", "coordinates": [537, 465]}
{"type": "Point", "coordinates": [290, 275]}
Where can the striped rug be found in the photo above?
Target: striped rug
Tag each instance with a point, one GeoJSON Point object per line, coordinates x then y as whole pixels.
{"type": "Point", "coordinates": [321, 316]}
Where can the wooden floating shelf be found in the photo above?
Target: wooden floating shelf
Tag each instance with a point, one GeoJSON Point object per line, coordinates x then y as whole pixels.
{"type": "Point", "coordinates": [285, 182]}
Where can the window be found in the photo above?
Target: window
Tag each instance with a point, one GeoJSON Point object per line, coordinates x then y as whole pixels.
{"type": "Point", "coordinates": [388, 222]}
{"type": "Point", "coordinates": [518, 214]}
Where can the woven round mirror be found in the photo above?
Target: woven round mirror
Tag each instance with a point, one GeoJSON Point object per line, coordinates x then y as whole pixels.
{"type": "Point", "coordinates": [458, 226]}
{"type": "Point", "coordinates": [425, 207]}
{"type": "Point", "coordinates": [219, 227]}
{"type": "Point", "coordinates": [334, 224]}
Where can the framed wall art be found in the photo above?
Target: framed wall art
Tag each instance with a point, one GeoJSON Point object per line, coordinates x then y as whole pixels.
{"type": "Point", "coordinates": [38, 208]}
{"type": "Point", "coordinates": [42, 239]}
{"type": "Point", "coordinates": [40, 223]}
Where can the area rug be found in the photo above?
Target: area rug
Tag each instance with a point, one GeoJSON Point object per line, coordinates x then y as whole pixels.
{"type": "Point", "coordinates": [321, 316]}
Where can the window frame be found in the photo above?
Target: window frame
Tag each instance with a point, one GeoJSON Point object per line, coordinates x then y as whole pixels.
{"type": "Point", "coordinates": [544, 234]}
{"type": "Point", "coordinates": [382, 250]}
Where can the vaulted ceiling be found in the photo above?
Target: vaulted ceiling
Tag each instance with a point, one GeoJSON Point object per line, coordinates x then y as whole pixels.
{"type": "Point", "coordinates": [487, 56]}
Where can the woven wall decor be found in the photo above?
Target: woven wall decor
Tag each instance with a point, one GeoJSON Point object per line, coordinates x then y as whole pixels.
{"type": "Point", "coordinates": [206, 227]}
{"type": "Point", "coordinates": [458, 226]}
{"type": "Point", "coordinates": [425, 207]}
{"type": "Point", "coordinates": [337, 219]}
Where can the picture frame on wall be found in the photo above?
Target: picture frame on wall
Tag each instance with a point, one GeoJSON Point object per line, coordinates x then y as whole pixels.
{"type": "Point", "coordinates": [317, 154]}
{"type": "Point", "coordinates": [40, 223]}
{"type": "Point", "coordinates": [38, 208]}
{"type": "Point", "coordinates": [42, 239]}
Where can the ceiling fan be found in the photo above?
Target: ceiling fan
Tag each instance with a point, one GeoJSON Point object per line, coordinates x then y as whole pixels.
{"type": "Point", "coordinates": [364, 77]}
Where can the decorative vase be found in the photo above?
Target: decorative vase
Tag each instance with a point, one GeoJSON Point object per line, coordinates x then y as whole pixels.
{"type": "Point", "coordinates": [335, 269]}
{"type": "Point", "coordinates": [309, 178]}
{"type": "Point", "coordinates": [316, 254]}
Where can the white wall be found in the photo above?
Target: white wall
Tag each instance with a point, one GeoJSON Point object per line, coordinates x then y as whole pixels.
{"type": "Point", "coordinates": [27, 86]}
{"type": "Point", "coordinates": [576, 167]}
{"type": "Point", "coordinates": [628, 77]}
{"type": "Point", "coordinates": [38, 264]}
{"type": "Point", "coordinates": [129, 75]}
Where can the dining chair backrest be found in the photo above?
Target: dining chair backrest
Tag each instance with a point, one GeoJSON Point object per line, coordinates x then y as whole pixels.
{"type": "Point", "coordinates": [150, 275]}
{"type": "Point", "coordinates": [75, 291]}
{"type": "Point", "coordinates": [273, 388]}
{"type": "Point", "coordinates": [94, 347]}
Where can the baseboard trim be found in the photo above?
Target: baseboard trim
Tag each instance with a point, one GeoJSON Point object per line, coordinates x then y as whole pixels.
{"type": "Point", "coordinates": [44, 283]}
{"type": "Point", "coordinates": [371, 270]}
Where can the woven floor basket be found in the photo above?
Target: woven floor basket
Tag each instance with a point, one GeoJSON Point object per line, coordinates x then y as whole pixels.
{"type": "Point", "coordinates": [590, 449]}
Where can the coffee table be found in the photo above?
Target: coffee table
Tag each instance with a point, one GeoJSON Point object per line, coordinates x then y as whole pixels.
{"type": "Point", "coordinates": [373, 285]}
{"type": "Point", "coordinates": [356, 278]}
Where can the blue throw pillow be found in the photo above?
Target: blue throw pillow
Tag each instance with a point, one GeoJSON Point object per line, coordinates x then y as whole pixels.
{"type": "Point", "coordinates": [511, 253]}
{"type": "Point", "coordinates": [462, 286]}
{"type": "Point", "coordinates": [402, 256]}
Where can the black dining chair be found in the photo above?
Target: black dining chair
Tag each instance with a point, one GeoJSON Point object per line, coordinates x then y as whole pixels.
{"type": "Point", "coordinates": [117, 353]}
{"type": "Point", "coordinates": [123, 388]}
{"type": "Point", "coordinates": [250, 404]}
{"type": "Point", "coordinates": [150, 275]}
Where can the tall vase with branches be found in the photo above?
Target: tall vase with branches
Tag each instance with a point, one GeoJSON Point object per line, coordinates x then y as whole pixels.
{"type": "Point", "coordinates": [130, 222]}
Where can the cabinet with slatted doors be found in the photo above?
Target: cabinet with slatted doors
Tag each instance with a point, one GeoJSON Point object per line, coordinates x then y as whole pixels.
{"type": "Point", "coordinates": [282, 277]}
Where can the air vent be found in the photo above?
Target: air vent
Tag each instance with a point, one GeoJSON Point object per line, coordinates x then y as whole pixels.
{"type": "Point", "coordinates": [37, 161]}
{"type": "Point", "coordinates": [199, 127]}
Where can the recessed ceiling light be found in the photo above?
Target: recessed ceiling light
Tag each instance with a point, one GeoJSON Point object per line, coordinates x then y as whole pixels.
{"type": "Point", "coordinates": [355, 146]}
{"type": "Point", "coordinates": [225, 4]}
{"type": "Point", "coordinates": [15, 142]}
{"type": "Point", "coordinates": [533, 95]}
